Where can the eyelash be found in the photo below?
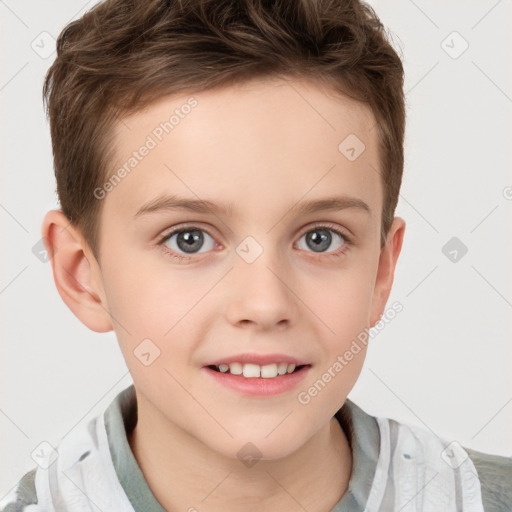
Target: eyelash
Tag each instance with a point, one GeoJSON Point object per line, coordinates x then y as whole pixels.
{"type": "Point", "coordinates": [336, 254]}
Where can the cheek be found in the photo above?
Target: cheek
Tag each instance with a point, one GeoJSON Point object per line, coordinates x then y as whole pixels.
{"type": "Point", "coordinates": [158, 316]}
{"type": "Point", "coordinates": [149, 297]}
{"type": "Point", "coordinates": [342, 299]}
{"type": "Point", "coordinates": [342, 303]}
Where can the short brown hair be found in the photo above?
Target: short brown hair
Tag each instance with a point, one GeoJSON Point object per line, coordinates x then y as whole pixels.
{"type": "Point", "coordinates": [124, 54]}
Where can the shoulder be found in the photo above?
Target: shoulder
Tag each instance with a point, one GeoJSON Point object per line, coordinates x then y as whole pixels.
{"type": "Point", "coordinates": [495, 474]}
{"type": "Point", "coordinates": [405, 457]}
{"type": "Point", "coordinates": [23, 497]}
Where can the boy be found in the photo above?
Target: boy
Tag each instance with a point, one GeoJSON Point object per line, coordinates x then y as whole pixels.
{"type": "Point", "coordinates": [270, 136]}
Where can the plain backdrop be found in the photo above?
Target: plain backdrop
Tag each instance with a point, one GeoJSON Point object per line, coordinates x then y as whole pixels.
{"type": "Point", "coordinates": [444, 362]}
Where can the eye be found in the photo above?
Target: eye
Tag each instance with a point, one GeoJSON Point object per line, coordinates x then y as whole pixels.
{"type": "Point", "coordinates": [187, 241]}
{"type": "Point", "coordinates": [181, 244]}
{"type": "Point", "coordinates": [320, 238]}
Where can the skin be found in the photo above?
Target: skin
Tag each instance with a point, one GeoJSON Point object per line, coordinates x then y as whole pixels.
{"type": "Point", "coordinates": [265, 146]}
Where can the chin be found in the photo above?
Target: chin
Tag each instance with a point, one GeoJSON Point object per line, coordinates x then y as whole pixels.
{"type": "Point", "coordinates": [254, 446]}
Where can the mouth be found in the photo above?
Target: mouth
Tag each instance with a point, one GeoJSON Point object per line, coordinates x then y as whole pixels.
{"type": "Point", "coordinates": [258, 374]}
{"type": "Point", "coordinates": [251, 379]}
{"type": "Point", "coordinates": [252, 371]}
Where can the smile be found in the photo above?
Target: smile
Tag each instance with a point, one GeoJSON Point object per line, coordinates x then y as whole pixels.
{"type": "Point", "coordinates": [249, 370]}
{"type": "Point", "coordinates": [253, 379]}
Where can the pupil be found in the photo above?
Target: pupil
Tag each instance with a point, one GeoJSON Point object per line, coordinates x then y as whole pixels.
{"type": "Point", "coordinates": [320, 242]}
{"type": "Point", "coordinates": [190, 241]}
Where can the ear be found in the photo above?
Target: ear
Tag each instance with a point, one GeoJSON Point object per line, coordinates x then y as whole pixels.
{"type": "Point", "coordinates": [386, 269]}
{"type": "Point", "coordinates": [76, 272]}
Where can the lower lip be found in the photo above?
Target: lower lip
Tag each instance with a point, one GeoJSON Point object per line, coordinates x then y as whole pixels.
{"type": "Point", "coordinates": [259, 385]}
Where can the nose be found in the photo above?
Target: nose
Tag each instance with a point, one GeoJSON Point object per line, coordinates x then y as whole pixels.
{"type": "Point", "coordinates": [261, 294]}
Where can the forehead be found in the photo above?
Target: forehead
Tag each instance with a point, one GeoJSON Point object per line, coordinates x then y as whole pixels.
{"type": "Point", "coordinates": [268, 141]}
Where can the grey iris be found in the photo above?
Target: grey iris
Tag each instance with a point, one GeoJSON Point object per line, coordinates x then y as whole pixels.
{"type": "Point", "coordinates": [319, 242]}
{"type": "Point", "coordinates": [190, 240]}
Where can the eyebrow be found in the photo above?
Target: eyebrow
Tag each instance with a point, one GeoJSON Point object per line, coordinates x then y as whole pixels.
{"type": "Point", "coordinates": [173, 202]}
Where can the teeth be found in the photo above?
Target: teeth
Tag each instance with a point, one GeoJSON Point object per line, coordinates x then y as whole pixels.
{"type": "Point", "coordinates": [250, 370]}
{"type": "Point", "coordinates": [269, 371]}
{"type": "Point", "coordinates": [235, 368]}
{"type": "Point", "coordinates": [282, 368]}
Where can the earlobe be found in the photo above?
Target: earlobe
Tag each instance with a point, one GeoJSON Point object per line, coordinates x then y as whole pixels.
{"type": "Point", "coordinates": [76, 273]}
{"type": "Point", "coordinates": [386, 269]}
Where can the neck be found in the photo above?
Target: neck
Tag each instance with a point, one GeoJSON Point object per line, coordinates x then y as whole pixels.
{"type": "Point", "coordinates": [183, 473]}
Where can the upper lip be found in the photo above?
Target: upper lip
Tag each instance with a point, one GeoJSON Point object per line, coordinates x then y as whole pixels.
{"type": "Point", "coordinates": [259, 359]}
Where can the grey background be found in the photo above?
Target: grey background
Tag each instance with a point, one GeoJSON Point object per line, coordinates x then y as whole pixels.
{"type": "Point", "coordinates": [444, 362]}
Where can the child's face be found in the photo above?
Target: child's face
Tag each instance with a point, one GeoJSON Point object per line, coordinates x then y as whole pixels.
{"type": "Point", "coordinates": [252, 281]}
